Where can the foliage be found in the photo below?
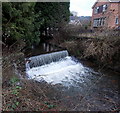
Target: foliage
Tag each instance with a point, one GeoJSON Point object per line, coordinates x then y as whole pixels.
{"type": "Point", "coordinates": [52, 14]}
{"type": "Point", "coordinates": [14, 91]}
{"type": "Point", "coordinates": [19, 22]}
{"type": "Point", "coordinates": [22, 21]}
{"type": "Point", "coordinates": [13, 106]}
{"type": "Point", "coordinates": [26, 20]}
{"type": "Point", "coordinates": [13, 80]}
{"type": "Point", "coordinates": [49, 105]}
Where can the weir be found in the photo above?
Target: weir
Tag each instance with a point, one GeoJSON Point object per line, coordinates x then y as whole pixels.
{"type": "Point", "coordinates": [53, 67]}
{"type": "Point", "coordinates": [40, 60]}
{"type": "Point", "coordinates": [69, 78]}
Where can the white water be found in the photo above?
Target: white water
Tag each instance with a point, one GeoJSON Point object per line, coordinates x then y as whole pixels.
{"type": "Point", "coordinates": [57, 72]}
{"type": "Point", "coordinates": [39, 60]}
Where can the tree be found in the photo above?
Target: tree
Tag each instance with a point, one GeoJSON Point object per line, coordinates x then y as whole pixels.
{"type": "Point", "coordinates": [19, 22]}
{"type": "Point", "coordinates": [27, 20]}
{"type": "Point", "coordinates": [52, 14]}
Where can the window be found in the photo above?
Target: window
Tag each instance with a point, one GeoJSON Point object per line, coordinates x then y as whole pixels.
{"type": "Point", "coordinates": [99, 22]}
{"type": "Point", "coordinates": [95, 23]}
{"type": "Point", "coordinates": [104, 7]}
{"type": "Point", "coordinates": [103, 22]}
{"type": "Point", "coordinates": [100, 9]}
{"type": "Point", "coordinates": [96, 10]}
{"type": "Point", "coordinates": [116, 20]}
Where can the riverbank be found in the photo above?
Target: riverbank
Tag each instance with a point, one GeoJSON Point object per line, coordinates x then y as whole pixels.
{"type": "Point", "coordinates": [102, 48]}
{"type": "Point", "coordinates": [22, 94]}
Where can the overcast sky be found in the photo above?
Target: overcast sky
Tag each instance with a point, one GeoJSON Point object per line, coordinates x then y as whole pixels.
{"type": "Point", "coordinates": [82, 7]}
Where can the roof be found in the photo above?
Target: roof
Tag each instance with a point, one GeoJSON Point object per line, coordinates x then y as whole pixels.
{"type": "Point", "coordinates": [112, 1]}
{"type": "Point", "coordinates": [108, 1]}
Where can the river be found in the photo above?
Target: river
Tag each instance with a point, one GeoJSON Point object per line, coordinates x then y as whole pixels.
{"type": "Point", "coordinates": [81, 87]}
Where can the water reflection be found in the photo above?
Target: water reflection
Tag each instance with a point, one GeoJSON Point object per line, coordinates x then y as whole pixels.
{"type": "Point", "coordinates": [41, 49]}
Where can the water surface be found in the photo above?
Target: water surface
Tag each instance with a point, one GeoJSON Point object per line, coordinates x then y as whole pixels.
{"type": "Point", "coordinates": [82, 88]}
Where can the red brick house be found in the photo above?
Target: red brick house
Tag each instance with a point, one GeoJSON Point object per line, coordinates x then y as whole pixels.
{"type": "Point", "coordinates": [106, 14]}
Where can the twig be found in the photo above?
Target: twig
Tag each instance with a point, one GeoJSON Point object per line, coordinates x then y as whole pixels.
{"type": "Point", "coordinates": [9, 21]}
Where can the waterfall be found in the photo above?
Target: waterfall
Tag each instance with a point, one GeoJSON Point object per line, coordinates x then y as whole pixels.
{"type": "Point", "coordinates": [39, 60]}
{"type": "Point", "coordinates": [56, 67]}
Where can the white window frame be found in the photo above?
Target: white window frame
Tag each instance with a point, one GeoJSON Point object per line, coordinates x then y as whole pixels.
{"type": "Point", "coordinates": [96, 10]}
{"type": "Point", "coordinates": [116, 20]}
{"type": "Point", "coordinates": [104, 7]}
{"type": "Point", "coordinates": [95, 23]}
{"type": "Point", "coordinates": [99, 22]}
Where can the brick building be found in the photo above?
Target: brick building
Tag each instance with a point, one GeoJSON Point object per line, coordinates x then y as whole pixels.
{"type": "Point", "coordinates": [106, 14]}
